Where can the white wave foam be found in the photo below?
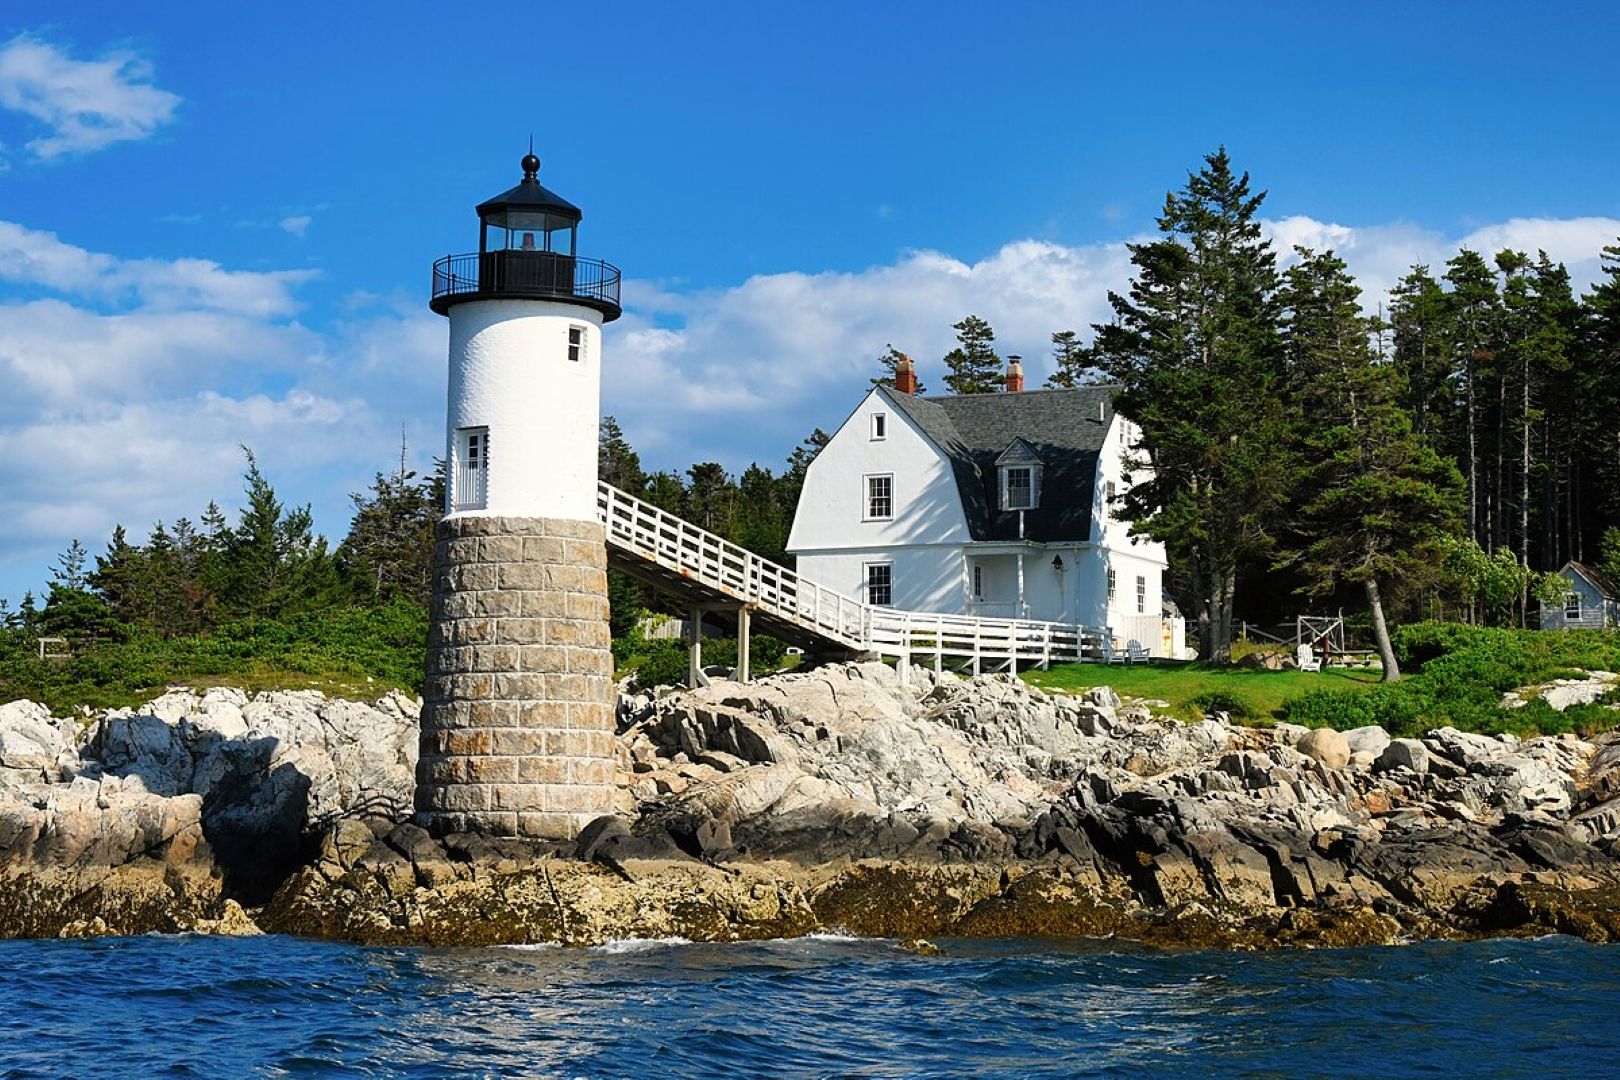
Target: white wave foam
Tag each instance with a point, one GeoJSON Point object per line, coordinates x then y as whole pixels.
{"type": "Point", "coordinates": [537, 946]}
{"type": "Point", "coordinates": [637, 945]}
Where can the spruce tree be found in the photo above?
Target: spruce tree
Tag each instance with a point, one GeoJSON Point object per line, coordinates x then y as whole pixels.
{"type": "Point", "coordinates": [1196, 348]}
{"type": "Point", "coordinates": [974, 365]}
{"type": "Point", "coordinates": [890, 362]}
{"type": "Point", "coordinates": [1375, 499]}
{"type": "Point", "coordinates": [1072, 362]}
{"type": "Point", "coordinates": [616, 462]}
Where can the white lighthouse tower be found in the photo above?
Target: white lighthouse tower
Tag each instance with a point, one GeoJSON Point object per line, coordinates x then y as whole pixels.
{"type": "Point", "coordinates": [517, 720]}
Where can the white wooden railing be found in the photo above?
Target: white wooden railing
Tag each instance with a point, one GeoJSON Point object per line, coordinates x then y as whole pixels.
{"type": "Point", "coordinates": [645, 532]}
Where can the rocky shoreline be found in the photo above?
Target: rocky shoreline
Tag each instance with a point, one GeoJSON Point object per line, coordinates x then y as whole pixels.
{"type": "Point", "coordinates": [830, 799]}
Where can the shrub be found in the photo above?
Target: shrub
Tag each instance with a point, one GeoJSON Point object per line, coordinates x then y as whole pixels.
{"type": "Point", "coordinates": [1224, 701]}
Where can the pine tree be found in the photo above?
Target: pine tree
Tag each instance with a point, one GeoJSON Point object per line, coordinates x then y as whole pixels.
{"type": "Point", "coordinates": [72, 610]}
{"type": "Point", "coordinates": [709, 497]}
{"type": "Point", "coordinates": [1073, 362]}
{"type": "Point", "coordinates": [1418, 315]}
{"type": "Point", "coordinates": [616, 463]}
{"type": "Point", "coordinates": [272, 563]}
{"type": "Point", "coordinates": [1376, 499]}
{"type": "Point", "coordinates": [388, 552]}
{"type": "Point", "coordinates": [890, 362]}
{"type": "Point", "coordinates": [1196, 349]}
{"type": "Point", "coordinates": [975, 367]}
{"type": "Point", "coordinates": [1474, 314]}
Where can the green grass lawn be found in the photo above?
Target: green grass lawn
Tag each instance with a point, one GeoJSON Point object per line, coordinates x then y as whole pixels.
{"type": "Point", "coordinates": [1189, 688]}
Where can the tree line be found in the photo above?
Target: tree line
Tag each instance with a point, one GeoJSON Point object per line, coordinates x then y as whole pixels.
{"type": "Point", "coordinates": [189, 577]}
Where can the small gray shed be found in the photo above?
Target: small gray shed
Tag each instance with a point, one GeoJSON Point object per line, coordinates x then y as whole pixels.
{"type": "Point", "coordinates": [1593, 602]}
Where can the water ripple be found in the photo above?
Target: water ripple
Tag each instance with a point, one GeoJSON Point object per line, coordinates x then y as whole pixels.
{"type": "Point", "coordinates": [827, 1006]}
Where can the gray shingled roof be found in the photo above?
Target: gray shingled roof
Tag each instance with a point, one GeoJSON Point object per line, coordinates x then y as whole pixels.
{"type": "Point", "coordinates": [1592, 574]}
{"type": "Point", "coordinates": [1064, 427]}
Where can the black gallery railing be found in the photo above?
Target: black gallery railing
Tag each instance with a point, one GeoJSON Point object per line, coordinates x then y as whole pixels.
{"type": "Point", "coordinates": [526, 274]}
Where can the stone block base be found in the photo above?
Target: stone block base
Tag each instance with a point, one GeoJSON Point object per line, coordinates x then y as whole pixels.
{"type": "Point", "coordinates": [518, 711]}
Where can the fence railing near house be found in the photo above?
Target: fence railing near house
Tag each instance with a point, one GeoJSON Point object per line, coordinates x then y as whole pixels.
{"type": "Point", "coordinates": [713, 565]}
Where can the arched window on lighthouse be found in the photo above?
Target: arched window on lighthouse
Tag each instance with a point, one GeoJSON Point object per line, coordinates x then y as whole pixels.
{"type": "Point", "coordinates": [471, 491]}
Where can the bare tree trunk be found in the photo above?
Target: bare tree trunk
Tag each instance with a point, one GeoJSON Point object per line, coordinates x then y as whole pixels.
{"type": "Point", "coordinates": [1223, 595]}
{"type": "Point", "coordinates": [1473, 456]}
{"type": "Point", "coordinates": [1386, 650]}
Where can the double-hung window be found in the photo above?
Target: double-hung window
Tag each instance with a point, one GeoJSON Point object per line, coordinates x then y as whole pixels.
{"type": "Point", "coordinates": [978, 582]}
{"type": "Point", "coordinates": [1572, 607]}
{"type": "Point", "coordinates": [1141, 595]}
{"type": "Point", "coordinates": [576, 343]}
{"type": "Point", "coordinates": [471, 489]}
{"type": "Point", "coordinates": [879, 498]}
{"type": "Point", "coordinates": [1020, 488]}
{"type": "Point", "coordinates": [1113, 578]}
{"type": "Point", "coordinates": [880, 583]}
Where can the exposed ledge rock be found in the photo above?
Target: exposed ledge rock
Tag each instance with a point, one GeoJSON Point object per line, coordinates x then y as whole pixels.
{"type": "Point", "coordinates": [835, 798]}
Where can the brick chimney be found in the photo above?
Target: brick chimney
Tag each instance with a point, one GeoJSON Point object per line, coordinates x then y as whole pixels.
{"type": "Point", "coordinates": [1015, 374]}
{"type": "Point", "coordinates": [905, 375]}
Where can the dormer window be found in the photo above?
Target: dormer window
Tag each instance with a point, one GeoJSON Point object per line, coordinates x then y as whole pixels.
{"type": "Point", "coordinates": [880, 426]}
{"type": "Point", "coordinates": [1020, 489]}
{"type": "Point", "coordinates": [1019, 471]}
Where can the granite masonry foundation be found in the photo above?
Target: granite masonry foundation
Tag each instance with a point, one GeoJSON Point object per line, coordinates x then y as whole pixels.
{"type": "Point", "coordinates": [518, 709]}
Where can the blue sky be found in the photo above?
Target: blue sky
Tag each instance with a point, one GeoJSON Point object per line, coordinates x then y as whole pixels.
{"type": "Point", "coordinates": [217, 221]}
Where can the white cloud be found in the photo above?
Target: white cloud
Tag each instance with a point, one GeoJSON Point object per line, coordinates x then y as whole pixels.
{"type": "Point", "coordinates": [298, 225]}
{"type": "Point", "coordinates": [86, 104]}
{"type": "Point", "coordinates": [31, 257]}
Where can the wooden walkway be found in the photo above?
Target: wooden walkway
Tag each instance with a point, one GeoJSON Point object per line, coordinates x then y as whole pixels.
{"type": "Point", "coordinates": [711, 574]}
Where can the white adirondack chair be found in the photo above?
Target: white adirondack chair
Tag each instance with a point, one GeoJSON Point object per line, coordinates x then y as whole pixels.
{"type": "Point", "coordinates": [1307, 659]}
{"type": "Point", "coordinates": [1135, 652]}
{"type": "Point", "coordinates": [1108, 654]}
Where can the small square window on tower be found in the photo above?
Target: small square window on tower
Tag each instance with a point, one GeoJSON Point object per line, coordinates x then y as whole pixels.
{"type": "Point", "coordinates": [576, 343]}
{"type": "Point", "coordinates": [471, 488]}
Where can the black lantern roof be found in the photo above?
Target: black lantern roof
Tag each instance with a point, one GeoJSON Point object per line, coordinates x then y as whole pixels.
{"type": "Point", "coordinates": [529, 197]}
{"type": "Point", "coordinates": [526, 251]}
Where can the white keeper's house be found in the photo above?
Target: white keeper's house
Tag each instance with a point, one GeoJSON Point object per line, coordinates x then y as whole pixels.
{"type": "Point", "coordinates": [985, 504]}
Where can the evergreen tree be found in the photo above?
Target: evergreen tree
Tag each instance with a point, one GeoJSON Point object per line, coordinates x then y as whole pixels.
{"type": "Point", "coordinates": [272, 562]}
{"type": "Point", "coordinates": [1597, 389]}
{"type": "Point", "coordinates": [1423, 353]}
{"type": "Point", "coordinates": [1473, 317]}
{"type": "Point", "coordinates": [388, 552]}
{"type": "Point", "coordinates": [890, 362]}
{"type": "Point", "coordinates": [975, 367]}
{"type": "Point", "coordinates": [1376, 500]}
{"type": "Point", "coordinates": [1073, 362]}
{"type": "Point", "coordinates": [72, 610]}
{"type": "Point", "coordinates": [1196, 348]}
{"type": "Point", "coordinates": [616, 463]}
{"type": "Point", "coordinates": [709, 497]}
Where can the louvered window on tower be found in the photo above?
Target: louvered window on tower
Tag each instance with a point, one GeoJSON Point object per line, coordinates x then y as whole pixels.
{"type": "Point", "coordinates": [472, 469]}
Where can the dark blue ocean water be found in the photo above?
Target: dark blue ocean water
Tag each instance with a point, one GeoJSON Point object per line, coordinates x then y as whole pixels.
{"type": "Point", "coordinates": [191, 1006]}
